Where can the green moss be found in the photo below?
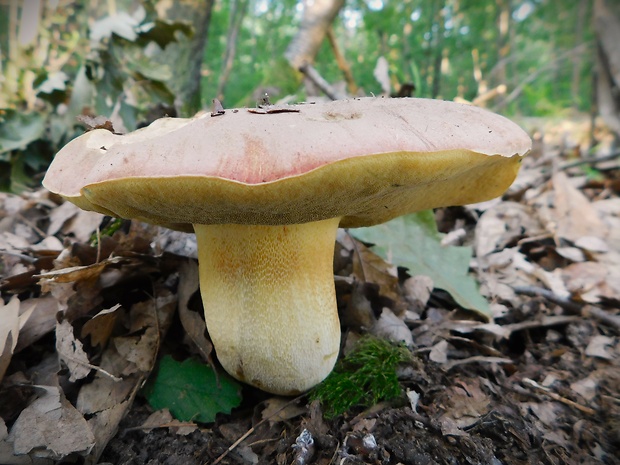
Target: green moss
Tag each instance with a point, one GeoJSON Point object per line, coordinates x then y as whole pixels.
{"type": "Point", "coordinates": [109, 230]}
{"type": "Point", "coordinates": [363, 378]}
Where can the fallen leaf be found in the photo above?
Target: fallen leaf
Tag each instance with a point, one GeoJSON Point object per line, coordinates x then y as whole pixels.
{"type": "Point", "coordinates": [415, 243]}
{"type": "Point", "coordinates": [71, 351]}
{"type": "Point", "coordinates": [392, 328]}
{"type": "Point", "coordinates": [95, 122]}
{"type": "Point", "coordinates": [439, 352]}
{"type": "Point", "coordinates": [192, 322]}
{"type": "Point", "coordinates": [586, 387]}
{"type": "Point", "coordinates": [51, 427]}
{"type": "Point", "coordinates": [9, 332]}
{"type": "Point", "coordinates": [464, 403]}
{"type": "Point", "coordinates": [13, 317]}
{"type": "Point", "coordinates": [278, 409]}
{"type": "Point", "coordinates": [191, 390]}
{"type": "Point", "coordinates": [100, 327]}
{"type": "Point", "coordinates": [573, 213]}
{"type": "Point", "coordinates": [601, 346]}
{"type": "Point", "coordinates": [6, 450]}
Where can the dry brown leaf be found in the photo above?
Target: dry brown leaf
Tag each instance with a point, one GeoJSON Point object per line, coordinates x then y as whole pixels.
{"type": "Point", "coordinates": [587, 281]}
{"type": "Point", "coordinates": [41, 321]}
{"type": "Point", "coordinates": [601, 347]}
{"type": "Point", "coordinates": [6, 450]}
{"type": "Point", "coordinates": [163, 419]}
{"type": "Point", "coordinates": [50, 427]}
{"type": "Point", "coordinates": [78, 273]}
{"type": "Point", "coordinates": [439, 352]}
{"type": "Point", "coordinates": [100, 327]}
{"type": "Point", "coordinates": [138, 347]}
{"type": "Point", "coordinates": [370, 267]}
{"type": "Point", "coordinates": [280, 409]}
{"type": "Point", "coordinates": [13, 318]}
{"type": "Point", "coordinates": [573, 213]}
{"type": "Point", "coordinates": [71, 351]}
{"type": "Point", "coordinates": [119, 376]}
{"type": "Point", "coordinates": [391, 327]}
{"type": "Point", "coordinates": [464, 404]}
{"type": "Point", "coordinates": [586, 387]}
{"type": "Point", "coordinates": [9, 332]}
{"type": "Point", "coordinates": [192, 322]}
{"type": "Point", "coordinates": [503, 224]}
{"type": "Point", "coordinates": [157, 419]}
{"type": "Point", "coordinates": [72, 220]}
{"type": "Point", "coordinates": [418, 290]}
{"type": "Point", "coordinates": [60, 215]}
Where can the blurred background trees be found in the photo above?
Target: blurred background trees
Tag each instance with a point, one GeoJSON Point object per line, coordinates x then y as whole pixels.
{"type": "Point", "coordinates": [133, 61]}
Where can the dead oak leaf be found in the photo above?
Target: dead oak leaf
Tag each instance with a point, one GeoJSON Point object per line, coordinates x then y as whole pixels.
{"type": "Point", "coordinates": [96, 122]}
{"type": "Point", "coordinates": [100, 327]}
{"type": "Point", "coordinates": [71, 351]}
{"type": "Point", "coordinates": [574, 215]}
{"type": "Point", "coordinates": [51, 427]}
{"type": "Point", "coordinates": [12, 320]}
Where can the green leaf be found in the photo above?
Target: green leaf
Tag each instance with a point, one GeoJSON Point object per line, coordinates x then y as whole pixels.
{"type": "Point", "coordinates": [18, 129]}
{"type": "Point", "coordinates": [412, 241]}
{"type": "Point", "coordinates": [191, 390]}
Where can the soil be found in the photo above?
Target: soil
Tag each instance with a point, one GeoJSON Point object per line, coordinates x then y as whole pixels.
{"type": "Point", "coordinates": [507, 421]}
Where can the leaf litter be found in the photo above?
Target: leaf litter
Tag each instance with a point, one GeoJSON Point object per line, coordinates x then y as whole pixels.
{"type": "Point", "coordinates": [529, 376]}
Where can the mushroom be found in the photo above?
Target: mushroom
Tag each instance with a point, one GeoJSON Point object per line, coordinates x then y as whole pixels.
{"type": "Point", "coordinates": [265, 193]}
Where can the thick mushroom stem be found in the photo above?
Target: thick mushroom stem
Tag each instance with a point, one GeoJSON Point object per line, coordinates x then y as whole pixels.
{"type": "Point", "coordinates": [270, 303]}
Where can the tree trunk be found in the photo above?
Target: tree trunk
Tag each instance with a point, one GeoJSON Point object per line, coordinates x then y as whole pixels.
{"type": "Point", "coordinates": [317, 18]}
{"type": "Point", "coordinates": [607, 28]}
{"type": "Point", "coordinates": [342, 62]}
{"type": "Point", "coordinates": [238, 9]}
{"type": "Point", "coordinates": [189, 57]}
{"type": "Point", "coordinates": [577, 58]}
{"type": "Point", "coordinates": [438, 53]}
{"type": "Point", "coordinates": [503, 40]}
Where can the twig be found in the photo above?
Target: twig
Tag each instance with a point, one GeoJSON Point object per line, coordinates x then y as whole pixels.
{"type": "Point", "coordinates": [552, 320]}
{"type": "Point", "coordinates": [173, 424]}
{"type": "Point", "coordinates": [554, 396]}
{"type": "Point", "coordinates": [590, 160]}
{"type": "Point", "coordinates": [342, 61]}
{"type": "Point", "coordinates": [252, 429]}
{"type": "Point", "coordinates": [602, 316]}
{"type": "Point", "coordinates": [565, 303]}
{"type": "Point", "coordinates": [92, 367]}
{"type": "Point", "coordinates": [311, 73]}
{"type": "Point", "coordinates": [584, 310]}
{"type": "Point", "coordinates": [477, 359]}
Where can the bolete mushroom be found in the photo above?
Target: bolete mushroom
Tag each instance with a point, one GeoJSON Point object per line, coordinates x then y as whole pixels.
{"type": "Point", "coordinates": [265, 194]}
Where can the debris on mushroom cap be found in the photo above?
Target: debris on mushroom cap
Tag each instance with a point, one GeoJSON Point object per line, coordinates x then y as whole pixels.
{"type": "Point", "coordinates": [366, 160]}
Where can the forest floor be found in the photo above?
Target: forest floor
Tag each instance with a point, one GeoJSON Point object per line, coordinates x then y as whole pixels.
{"type": "Point", "coordinates": [83, 326]}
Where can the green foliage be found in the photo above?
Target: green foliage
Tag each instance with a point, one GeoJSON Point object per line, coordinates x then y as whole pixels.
{"type": "Point", "coordinates": [116, 70]}
{"type": "Point", "coordinates": [83, 59]}
{"type": "Point", "coordinates": [21, 132]}
{"type": "Point", "coordinates": [363, 378]}
{"type": "Point", "coordinates": [113, 225]}
{"type": "Point", "coordinates": [191, 390]}
{"type": "Point", "coordinates": [414, 242]}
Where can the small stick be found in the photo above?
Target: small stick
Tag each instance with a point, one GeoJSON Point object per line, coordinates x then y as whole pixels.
{"type": "Point", "coordinates": [477, 359]}
{"type": "Point", "coordinates": [251, 430]}
{"type": "Point", "coordinates": [590, 160]}
{"type": "Point", "coordinates": [554, 396]}
{"type": "Point", "coordinates": [573, 307]}
{"type": "Point", "coordinates": [311, 73]}
{"type": "Point", "coordinates": [566, 304]}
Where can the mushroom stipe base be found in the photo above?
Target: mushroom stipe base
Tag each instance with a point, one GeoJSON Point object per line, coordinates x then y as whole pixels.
{"type": "Point", "coordinates": [270, 303]}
